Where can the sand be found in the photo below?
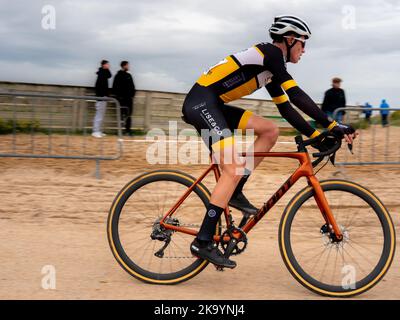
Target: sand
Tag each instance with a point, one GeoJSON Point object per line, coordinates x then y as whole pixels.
{"type": "Point", "coordinates": [54, 212]}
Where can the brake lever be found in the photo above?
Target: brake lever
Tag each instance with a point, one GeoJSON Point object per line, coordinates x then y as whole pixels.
{"type": "Point", "coordinates": [350, 147]}
{"type": "Point", "coordinates": [332, 158]}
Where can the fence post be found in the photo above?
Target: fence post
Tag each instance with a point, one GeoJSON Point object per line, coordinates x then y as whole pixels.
{"type": "Point", "coordinates": [81, 110]}
{"type": "Point", "coordinates": [147, 111]}
{"type": "Point", "coordinates": [375, 140]}
{"type": "Point", "coordinates": [97, 172]}
{"type": "Point", "coordinates": [70, 121]}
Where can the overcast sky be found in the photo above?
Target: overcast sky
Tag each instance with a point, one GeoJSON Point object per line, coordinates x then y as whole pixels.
{"type": "Point", "coordinates": [170, 42]}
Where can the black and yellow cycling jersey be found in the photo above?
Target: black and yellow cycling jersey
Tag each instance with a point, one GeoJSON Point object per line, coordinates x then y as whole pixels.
{"type": "Point", "coordinates": [241, 74]}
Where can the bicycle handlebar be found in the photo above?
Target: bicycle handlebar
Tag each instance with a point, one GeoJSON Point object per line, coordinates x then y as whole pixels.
{"type": "Point", "coordinates": [301, 144]}
{"type": "Point", "coordinates": [332, 150]}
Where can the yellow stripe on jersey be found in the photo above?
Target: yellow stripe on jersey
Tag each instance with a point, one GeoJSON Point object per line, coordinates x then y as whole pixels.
{"type": "Point", "coordinates": [315, 134]}
{"type": "Point", "coordinates": [243, 90]}
{"type": "Point", "coordinates": [288, 84]}
{"type": "Point", "coordinates": [244, 119]}
{"type": "Point", "coordinates": [259, 51]}
{"type": "Point", "coordinates": [281, 99]}
{"type": "Point", "coordinates": [221, 144]}
{"type": "Point", "coordinates": [332, 125]}
{"type": "Point", "coordinates": [218, 72]}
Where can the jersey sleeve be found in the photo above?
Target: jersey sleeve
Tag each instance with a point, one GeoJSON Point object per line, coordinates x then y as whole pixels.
{"type": "Point", "coordinates": [288, 112]}
{"type": "Point", "coordinates": [283, 80]}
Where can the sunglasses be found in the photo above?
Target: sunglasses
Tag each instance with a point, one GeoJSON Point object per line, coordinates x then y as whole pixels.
{"type": "Point", "coordinates": [303, 42]}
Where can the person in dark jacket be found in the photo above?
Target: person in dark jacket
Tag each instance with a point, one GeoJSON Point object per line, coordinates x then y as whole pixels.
{"type": "Point", "coordinates": [101, 89]}
{"type": "Point", "coordinates": [124, 90]}
{"type": "Point", "coordinates": [334, 98]}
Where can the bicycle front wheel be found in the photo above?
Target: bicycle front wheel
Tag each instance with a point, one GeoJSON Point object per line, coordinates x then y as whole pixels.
{"type": "Point", "coordinates": [140, 244]}
{"type": "Point", "coordinates": [323, 264]}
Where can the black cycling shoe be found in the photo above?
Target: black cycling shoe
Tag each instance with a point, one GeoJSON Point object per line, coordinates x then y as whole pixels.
{"type": "Point", "coordinates": [211, 253]}
{"type": "Point", "coordinates": [240, 202]}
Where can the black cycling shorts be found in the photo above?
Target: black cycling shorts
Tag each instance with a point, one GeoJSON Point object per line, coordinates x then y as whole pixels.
{"type": "Point", "coordinates": [213, 120]}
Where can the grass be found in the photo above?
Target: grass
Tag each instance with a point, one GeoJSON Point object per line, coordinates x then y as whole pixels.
{"type": "Point", "coordinates": [20, 126]}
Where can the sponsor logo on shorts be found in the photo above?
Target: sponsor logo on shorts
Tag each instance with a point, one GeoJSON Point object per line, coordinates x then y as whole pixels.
{"type": "Point", "coordinates": [200, 105]}
{"type": "Point", "coordinates": [211, 121]}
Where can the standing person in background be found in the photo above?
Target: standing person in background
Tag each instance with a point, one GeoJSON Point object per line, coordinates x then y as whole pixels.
{"type": "Point", "coordinates": [368, 112]}
{"type": "Point", "coordinates": [334, 98]}
{"type": "Point", "coordinates": [101, 88]}
{"type": "Point", "coordinates": [384, 113]}
{"type": "Point", "coordinates": [124, 90]}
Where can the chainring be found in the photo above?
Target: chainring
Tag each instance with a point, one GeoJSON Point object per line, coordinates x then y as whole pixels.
{"type": "Point", "coordinates": [241, 241]}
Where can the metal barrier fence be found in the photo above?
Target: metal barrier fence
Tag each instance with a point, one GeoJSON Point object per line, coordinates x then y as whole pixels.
{"type": "Point", "coordinates": [377, 144]}
{"type": "Point", "coordinates": [39, 125]}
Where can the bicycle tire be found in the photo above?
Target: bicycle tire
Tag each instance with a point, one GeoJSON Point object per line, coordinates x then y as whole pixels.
{"type": "Point", "coordinates": [314, 285]}
{"type": "Point", "coordinates": [112, 227]}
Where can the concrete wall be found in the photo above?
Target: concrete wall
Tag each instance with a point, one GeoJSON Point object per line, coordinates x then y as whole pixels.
{"type": "Point", "coordinates": [152, 109]}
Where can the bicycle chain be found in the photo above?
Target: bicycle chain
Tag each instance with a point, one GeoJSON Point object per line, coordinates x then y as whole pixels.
{"type": "Point", "coordinates": [184, 225]}
{"type": "Point", "coordinates": [178, 257]}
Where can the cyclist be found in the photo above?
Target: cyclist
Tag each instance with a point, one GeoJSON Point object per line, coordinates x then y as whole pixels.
{"type": "Point", "coordinates": [238, 75]}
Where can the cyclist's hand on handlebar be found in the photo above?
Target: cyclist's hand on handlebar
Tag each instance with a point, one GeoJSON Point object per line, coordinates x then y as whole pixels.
{"type": "Point", "coordinates": [344, 131]}
{"type": "Point", "coordinates": [325, 144]}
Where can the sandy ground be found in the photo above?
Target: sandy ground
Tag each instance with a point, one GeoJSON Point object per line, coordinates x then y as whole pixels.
{"type": "Point", "coordinates": [54, 212]}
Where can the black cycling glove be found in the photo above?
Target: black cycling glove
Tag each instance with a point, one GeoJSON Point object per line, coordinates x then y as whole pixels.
{"type": "Point", "coordinates": [341, 129]}
{"type": "Point", "coordinates": [326, 143]}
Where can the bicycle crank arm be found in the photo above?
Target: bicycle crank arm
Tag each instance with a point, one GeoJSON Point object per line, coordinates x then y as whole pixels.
{"type": "Point", "coordinates": [231, 246]}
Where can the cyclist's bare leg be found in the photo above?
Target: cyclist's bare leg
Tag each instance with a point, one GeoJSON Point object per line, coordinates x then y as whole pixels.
{"type": "Point", "coordinates": [231, 166]}
{"type": "Point", "coordinates": [267, 133]}
{"type": "Point", "coordinates": [202, 246]}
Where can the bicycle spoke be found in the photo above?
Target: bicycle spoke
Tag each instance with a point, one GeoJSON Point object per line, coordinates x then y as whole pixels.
{"type": "Point", "coordinates": [170, 260]}
{"type": "Point", "coordinates": [353, 259]}
{"type": "Point", "coordinates": [306, 250]}
{"type": "Point", "coordinates": [179, 247]}
{"type": "Point", "coordinates": [334, 268]}
{"type": "Point", "coordinates": [138, 220]}
{"type": "Point", "coordinates": [323, 251]}
{"type": "Point", "coordinates": [362, 255]}
{"type": "Point", "coordinates": [186, 240]}
{"type": "Point", "coordinates": [362, 245]}
{"type": "Point", "coordinates": [326, 263]}
{"type": "Point", "coordinates": [316, 262]}
{"type": "Point", "coordinates": [151, 255]}
{"type": "Point", "coordinates": [145, 248]}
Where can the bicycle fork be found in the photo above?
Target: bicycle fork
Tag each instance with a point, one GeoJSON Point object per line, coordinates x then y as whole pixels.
{"type": "Point", "coordinates": [324, 207]}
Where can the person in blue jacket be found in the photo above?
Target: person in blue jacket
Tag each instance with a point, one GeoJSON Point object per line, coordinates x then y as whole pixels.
{"type": "Point", "coordinates": [368, 112]}
{"type": "Point", "coordinates": [384, 113]}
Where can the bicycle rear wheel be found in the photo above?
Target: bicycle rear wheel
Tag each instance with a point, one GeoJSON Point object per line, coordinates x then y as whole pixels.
{"type": "Point", "coordinates": [135, 237]}
{"type": "Point", "coordinates": [317, 260]}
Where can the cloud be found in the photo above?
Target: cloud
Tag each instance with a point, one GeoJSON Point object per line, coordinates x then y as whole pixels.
{"type": "Point", "coordinates": [160, 82]}
{"type": "Point", "coordinates": [169, 43]}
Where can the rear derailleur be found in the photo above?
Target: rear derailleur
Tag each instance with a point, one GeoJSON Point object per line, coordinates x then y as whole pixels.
{"type": "Point", "coordinates": [162, 234]}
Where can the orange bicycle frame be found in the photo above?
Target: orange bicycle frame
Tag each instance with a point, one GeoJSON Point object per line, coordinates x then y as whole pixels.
{"type": "Point", "coordinates": [305, 169]}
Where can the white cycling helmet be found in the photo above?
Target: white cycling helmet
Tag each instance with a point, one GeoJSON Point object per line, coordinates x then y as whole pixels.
{"type": "Point", "coordinates": [285, 24]}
